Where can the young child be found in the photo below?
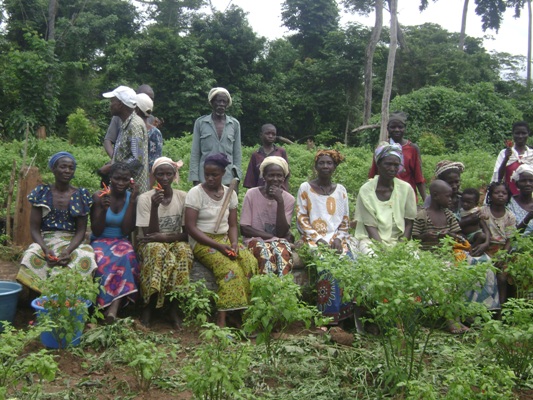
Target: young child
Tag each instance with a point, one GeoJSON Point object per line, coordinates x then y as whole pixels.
{"type": "Point", "coordinates": [472, 225]}
{"type": "Point", "coordinates": [502, 224]}
{"type": "Point", "coordinates": [436, 221]}
{"type": "Point", "coordinates": [267, 136]}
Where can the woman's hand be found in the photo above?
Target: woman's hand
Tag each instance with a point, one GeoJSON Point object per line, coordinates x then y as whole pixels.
{"type": "Point", "coordinates": [228, 251]}
{"type": "Point", "coordinates": [134, 190]}
{"type": "Point", "coordinates": [50, 257]}
{"type": "Point", "coordinates": [154, 237]}
{"type": "Point", "coordinates": [507, 154]}
{"type": "Point", "coordinates": [63, 258]}
{"type": "Point", "coordinates": [337, 245]}
{"type": "Point", "coordinates": [104, 199]}
{"type": "Point", "coordinates": [157, 198]}
{"type": "Point", "coordinates": [478, 250]}
{"type": "Point", "coordinates": [276, 192]}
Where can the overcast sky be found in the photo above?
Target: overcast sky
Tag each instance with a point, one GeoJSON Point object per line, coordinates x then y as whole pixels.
{"type": "Point", "coordinates": [265, 18]}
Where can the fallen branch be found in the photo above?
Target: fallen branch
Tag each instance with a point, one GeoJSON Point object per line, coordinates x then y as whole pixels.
{"type": "Point", "coordinates": [364, 127]}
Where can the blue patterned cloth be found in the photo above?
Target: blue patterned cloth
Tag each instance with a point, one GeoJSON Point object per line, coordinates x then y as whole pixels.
{"type": "Point", "coordinates": [60, 220]}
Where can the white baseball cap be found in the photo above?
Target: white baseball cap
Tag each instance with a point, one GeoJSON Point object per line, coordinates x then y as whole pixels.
{"type": "Point", "coordinates": [145, 103]}
{"type": "Point", "coordinates": [125, 94]}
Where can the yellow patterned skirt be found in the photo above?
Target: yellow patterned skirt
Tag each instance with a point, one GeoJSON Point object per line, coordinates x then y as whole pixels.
{"type": "Point", "coordinates": [164, 268]}
{"type": "Point", "coordinates": [232, 276]}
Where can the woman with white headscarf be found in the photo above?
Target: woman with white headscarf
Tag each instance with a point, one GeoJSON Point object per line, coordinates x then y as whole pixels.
{"type": "Point", "coordinates": [386, 206]}
{"type": "Point", "coordinates": [164, 251]}
{"type": "Point", "coordinates": [522, 204]}
{"type": "Point", "coordinates": [266, 219]}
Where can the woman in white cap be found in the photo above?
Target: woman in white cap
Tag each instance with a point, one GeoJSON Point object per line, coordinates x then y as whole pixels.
{"type": "Point", "coordinates": [164, 251]}
{"type": "Point", "coordinates": [266, 219]}
{"type": "Point", "coordinates": [216, 133]}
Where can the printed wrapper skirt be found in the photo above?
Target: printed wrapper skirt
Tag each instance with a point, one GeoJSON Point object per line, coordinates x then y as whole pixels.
{"type": "Point", "coordinates": [232, 276]}
{"type": "Point", "coordinates": [164, 267]}
{"type": "Point", "coordinates": [273, 257]}
{"type": "Point", "coordinates": [118, 269]}
{"type": "Point", "coordinates": [35, 269]}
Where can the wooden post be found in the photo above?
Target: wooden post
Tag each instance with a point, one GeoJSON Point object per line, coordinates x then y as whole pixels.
{"type": "Point", "coordinates": [28, 179]}
{"type": "Point", "coordinates": [10, 199]}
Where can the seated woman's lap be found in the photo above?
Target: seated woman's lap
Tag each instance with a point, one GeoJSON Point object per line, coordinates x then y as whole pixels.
{"type": "Point", "coordinates": [272, 257]}
{"type": "Point", "coordinates": [34, 266]}
{"type": "Point", "coordinates": [232, 276]}
{"type": "Point", "coordinates": [165, 267]}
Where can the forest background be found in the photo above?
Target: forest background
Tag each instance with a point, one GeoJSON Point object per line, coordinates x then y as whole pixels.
{"type": "Point", "coordinates": [58, 57]}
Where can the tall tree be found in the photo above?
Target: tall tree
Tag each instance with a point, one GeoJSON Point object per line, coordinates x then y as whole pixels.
{"type": "Point", "coordinates": [312, 20]}
{"type": "Point", "coordinates": [175, 14]}
{"type": "Point", "coordinates": [490, 11]}
{"type": "Point", "coordinates": [390, 69]}
{"type": "Point", "coordinates": [518, 5]}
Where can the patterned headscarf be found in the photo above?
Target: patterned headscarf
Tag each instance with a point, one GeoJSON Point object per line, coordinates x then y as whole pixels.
{"type": "Point", "coordinates": [335, 155]}
{"type": "Point", "coordinates": [520, 170]}
{"type": "Point", "coordinates": [217, 90]}
{"type": "Point", "coordinates": [56, 157]}
{"type": "Point", "coordinates": [274, 160]}
{"type": "Point", "coordinates": [219, 159]}
{"type": "Point", "coordinates": [445, 165]}
{"type": "Point", "coordinates": [176, 165]}
{"type": "Point", "coordinates": [386, 149]}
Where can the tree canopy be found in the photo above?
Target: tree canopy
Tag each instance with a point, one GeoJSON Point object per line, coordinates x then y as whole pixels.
{"type": "Point", "coordinates": [310, 82]}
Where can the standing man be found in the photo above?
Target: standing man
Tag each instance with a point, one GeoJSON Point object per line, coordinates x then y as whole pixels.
{"type": "Point", "coordinates": [412, 163]}
{"type": "Point", "coordinates": [113, 129]}
{"type": "Point", "coordinates": [216, 133]}
{"type": "Point", "coordinates": [132, 143]}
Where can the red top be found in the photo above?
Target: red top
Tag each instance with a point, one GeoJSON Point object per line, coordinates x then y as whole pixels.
{"type": "Point", "coordinates": [412, 172]}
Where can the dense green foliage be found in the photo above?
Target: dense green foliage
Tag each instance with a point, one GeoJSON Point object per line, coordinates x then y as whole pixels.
{"type": "Point", "coordinates": [308, 83]}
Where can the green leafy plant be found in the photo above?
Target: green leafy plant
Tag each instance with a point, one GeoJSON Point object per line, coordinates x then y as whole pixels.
{"type": "Point", "coordinates": [196, 301]}
{"type": "Point", "coordinates": [220, 366]}
{"type": "Point", "coordinates": [404, 290]}
{"type": "Point", "coordinates": [276, 303]}
{"type": "Point", "coordinates": [16, 363]}
{"type": "Point", "coordinates": [145, 359]}
{"type": "Point", "coordinates": [511, 339]}
{"type": "Point", "coordinates": [520, 264]}
{"type": "Point", "coordinates": [81, 130]}
{"type": "Point", "coordinates": [64, 296]}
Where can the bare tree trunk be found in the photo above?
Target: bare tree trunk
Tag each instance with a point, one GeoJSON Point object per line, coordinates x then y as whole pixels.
{"type": "Point", "coordinates": [528, 73]}
{"type": "Point", "coordinates": [370, 50]}
{"type": "Point", "coordinates": [462, 35]}
{"type": "Point", "coordinates": [387, 89]}
{"type": "Point", "coordinates": [52, 12]}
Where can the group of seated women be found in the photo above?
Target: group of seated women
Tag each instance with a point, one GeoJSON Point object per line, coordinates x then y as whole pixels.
{"type": "Point", "coordinates": [175, 227]}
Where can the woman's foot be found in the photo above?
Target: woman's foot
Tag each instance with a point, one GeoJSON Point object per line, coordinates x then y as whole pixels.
{"type": "Point", "coordinates": [146, 316]}
{"type": "Point", "coordinates": [456, 328]}
{"type": "Point", "coordinates": [176, 322]}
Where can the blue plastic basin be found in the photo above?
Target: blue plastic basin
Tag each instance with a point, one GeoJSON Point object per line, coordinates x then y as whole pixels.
{"type": "Point", "coordinates": [9, 296]}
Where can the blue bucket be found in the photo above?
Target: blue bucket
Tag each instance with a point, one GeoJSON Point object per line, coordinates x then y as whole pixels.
{"type": "Point", "coordinates": [49, 339]}
{"type": "Point", "coordinates": [9, 296]}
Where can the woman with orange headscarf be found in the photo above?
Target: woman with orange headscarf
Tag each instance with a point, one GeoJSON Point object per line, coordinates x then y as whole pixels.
{"type": "Point", "coordinates": [322, 217]}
